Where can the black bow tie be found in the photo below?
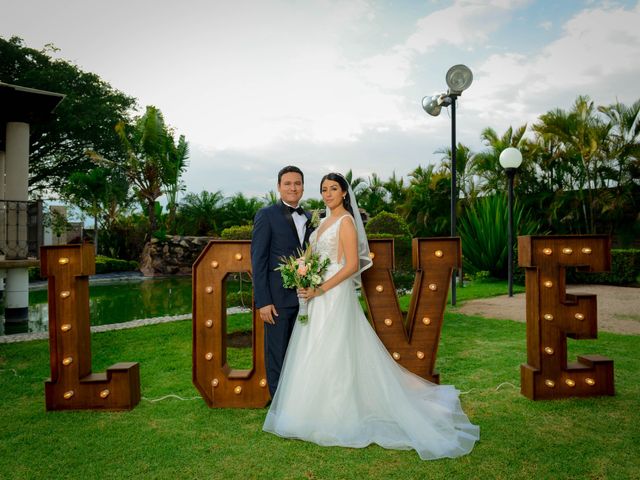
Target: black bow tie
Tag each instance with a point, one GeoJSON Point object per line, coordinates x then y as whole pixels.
{"type": "Point", "coordinates": [300, 210]}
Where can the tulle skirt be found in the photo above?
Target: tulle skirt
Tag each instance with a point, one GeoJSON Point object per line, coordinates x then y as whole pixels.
{"type": "Point", "coordinates": [340, 387]}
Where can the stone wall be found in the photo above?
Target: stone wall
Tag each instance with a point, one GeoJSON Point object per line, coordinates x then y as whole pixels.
{"type": "Point", "coordinates": [172, 256]}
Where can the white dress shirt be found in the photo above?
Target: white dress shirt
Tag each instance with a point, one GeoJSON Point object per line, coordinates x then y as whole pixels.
{"type": "Point", "coordinates": [300, 221]}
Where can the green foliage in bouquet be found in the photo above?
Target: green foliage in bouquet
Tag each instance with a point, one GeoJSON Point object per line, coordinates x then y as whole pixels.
{"type": "Point", "coordinates": [303, 270]}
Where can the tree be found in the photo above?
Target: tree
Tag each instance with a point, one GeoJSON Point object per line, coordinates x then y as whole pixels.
{"type": "Point", "coordinates": [427, 206]}
{"type": "Point", "coordinates": [84, 120]}
{"type": "Point", "coordinates": [397, 191]}
{"type": "Point", "coordinates": [356, 184]}
{"type": "Point", "coordinates": [487, 164]}
{"type": "Point", "coordinates": [177, 155]}
{"type": "Point", "coordinates": [373, 196]}
{"type": "Point", "coordinates": [582, 136]}
{"type": "Point", "coordinates": [270, 198]}
{"type": "Point", "coordinates": [240, 210]}
{"type": "Point", "coordinates": [100, 193]}
{"type": "Point", "coordinates": [150, 163]}
{"type": "Point", "coordinates": [313, 204]}
{"type": "Point", "coordinates": [200, 214]}
{"type": "Point", "coordinates": [623, 199]}
{"type": "Point", "coordinates": [465, 182]}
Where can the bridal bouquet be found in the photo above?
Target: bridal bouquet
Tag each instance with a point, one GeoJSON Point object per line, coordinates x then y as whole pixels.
{"type": "Point", "coordinates": [303, 271]}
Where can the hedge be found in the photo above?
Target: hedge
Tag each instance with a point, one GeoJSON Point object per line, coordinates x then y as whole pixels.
{"type": "Point", "coordinates": [625, 270]}
{"type": "Point", "coordinates": [103, 265]}
{"type": "Point", "coordinates": [242, 232]}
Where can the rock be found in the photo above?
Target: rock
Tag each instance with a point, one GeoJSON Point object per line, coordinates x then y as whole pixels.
{"type": "Point", "coordinates": [173, 256]}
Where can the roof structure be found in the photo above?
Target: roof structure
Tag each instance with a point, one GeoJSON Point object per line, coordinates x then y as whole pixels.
{"type": "Point", "coordinates": [22, 104]}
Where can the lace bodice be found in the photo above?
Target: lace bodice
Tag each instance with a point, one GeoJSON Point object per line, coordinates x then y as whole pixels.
{"type": "Point", "coordinates": [327, 243]}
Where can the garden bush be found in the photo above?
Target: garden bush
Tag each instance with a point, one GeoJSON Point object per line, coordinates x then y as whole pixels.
{"type": "Point", "coordinates": [103, 265]}
{"type": "Point", "coordinates": [109, 265]}
{"type": "Point", "coordinates": [483, 230]}
{"type": "Point", "coordinates": [625, 270]}
{"type": "Point", "coordinates": [390, 225]}
{"type": "Point", "coordinates": [242, 232]}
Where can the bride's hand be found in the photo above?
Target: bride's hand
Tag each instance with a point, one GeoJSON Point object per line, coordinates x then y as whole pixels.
{"type": "Point", "coordinates": [309, 293]}
{"type": "Point", "coordinates": [305, 293]}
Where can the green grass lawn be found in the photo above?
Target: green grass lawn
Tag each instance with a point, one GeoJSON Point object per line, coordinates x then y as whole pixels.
{"type": "Point", "coordinates": [590, 438]}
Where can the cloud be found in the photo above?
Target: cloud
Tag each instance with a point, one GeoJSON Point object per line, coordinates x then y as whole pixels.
{"type": "Point", "coordinates": [464, 24]}
{"type": "Point", "coordinates": [332, 84]}
{"type": "Point", "coordinates": [595, 55]}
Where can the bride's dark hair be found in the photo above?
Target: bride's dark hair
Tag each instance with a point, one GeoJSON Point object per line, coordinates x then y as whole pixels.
{"type": "Point", "coordinates": [336, 177]}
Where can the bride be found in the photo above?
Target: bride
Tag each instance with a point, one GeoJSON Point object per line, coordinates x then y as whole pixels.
{"type": "Point", "coordinates": [339, 385]}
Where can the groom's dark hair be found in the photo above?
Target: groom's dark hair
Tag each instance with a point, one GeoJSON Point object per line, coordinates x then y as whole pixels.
{"type": "Point", "coordinates": [290, 169]}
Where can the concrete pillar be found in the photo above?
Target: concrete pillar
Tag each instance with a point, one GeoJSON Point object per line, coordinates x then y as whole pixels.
{"type": "Point", "coordinates": [2, 170]}
{"type": "Point", "coordinates": [3, 207]}
{"type": "Point", "coordinates": [17, 161]}
{"type": "Point", "coordinates": [3, 221]}
{"type": "Point", "coordinates": [16, 188]}
{"type": "Point", "coordinates": [16, 302]}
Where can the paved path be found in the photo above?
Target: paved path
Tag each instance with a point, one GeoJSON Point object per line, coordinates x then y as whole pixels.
{"type": "Point", "coordinates": [618, 307]}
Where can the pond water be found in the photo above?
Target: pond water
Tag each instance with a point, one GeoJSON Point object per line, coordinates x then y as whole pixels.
{"type": "Point", "coordinates": [123, 301]}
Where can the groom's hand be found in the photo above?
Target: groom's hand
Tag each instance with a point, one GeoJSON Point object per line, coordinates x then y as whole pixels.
{"type": "Point", "coordinates": [267, 313]}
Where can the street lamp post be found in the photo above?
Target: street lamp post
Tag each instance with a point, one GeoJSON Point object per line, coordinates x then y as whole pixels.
{"type": "Point", "coordinates": [459, 78]}
{"type": "Point", "coordinates": [510, 159]}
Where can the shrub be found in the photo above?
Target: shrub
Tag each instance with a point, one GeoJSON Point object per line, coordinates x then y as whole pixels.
{"type": "Point", "coordinates": [242, 232]}
{"type": "Point", "coordinates": [103, 265]}
{"type": "Point", "coordinates": [484, 233]}
{"type": "Point", "coordinates": [34, 274]}
{"type": "Point", "coordinates": [125, 238]}
{"type": "Point", "coordinates": [389, 224]}
{"type": "Point", "coordinates": [108, 265]}
{"type": "Point", "coordinates": [402, 252]}
{"type": "Point", "coordinates": [625, 270]}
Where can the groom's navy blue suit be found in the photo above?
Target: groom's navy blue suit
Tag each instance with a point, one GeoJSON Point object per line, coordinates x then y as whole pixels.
{"type": "Point", "coordinates": [275, 237]}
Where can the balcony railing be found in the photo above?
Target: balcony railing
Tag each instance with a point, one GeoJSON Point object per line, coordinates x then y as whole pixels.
{"type": "Point", "coordinates": [21, 231]}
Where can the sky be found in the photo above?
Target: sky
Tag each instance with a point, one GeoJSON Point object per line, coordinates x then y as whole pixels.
{"type": "Point", "coordinates": [326, 85]}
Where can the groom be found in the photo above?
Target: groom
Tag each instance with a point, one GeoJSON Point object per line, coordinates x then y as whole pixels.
{"type": "Point", "coordinates": [279, 230]}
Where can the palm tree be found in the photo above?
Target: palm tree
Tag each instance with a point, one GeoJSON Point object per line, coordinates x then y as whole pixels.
{"type": "Point", "coordinates": [624, 161]}
{"type": "Point", "coordinates": [144, 143]}
{"type": "Point", "coordinates": [624, 137]}
{"type": "Point", "coordinates": [426, 208]}
{"type": "Point", "coordinates": [240, 210]}
{"type": "Point", "coordinates": [100, 192]}
{"type": "Point", "coordinates": [373, 196]}
{"type": "Point", "coordinates": [270, 198]}
{"type": "Point", "coordinates": [487, 164]}
{"type": "Point", "coordinates": [356, 184]}
{"type": "Point", "coordinates": [397, 191]}
{"type": "Point", "coordinates": [200, 214]}
{"type": "Point", "coordinates": [464, 171]}
{"type": "Point", "coordinates": [313, 204]}
{"type": "Point", "coordinates": [583, 136]}
{"type": "Point", "coordinates": [176, 163]}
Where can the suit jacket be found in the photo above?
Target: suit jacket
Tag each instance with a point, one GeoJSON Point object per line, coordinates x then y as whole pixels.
{"type": "Point", "coordinates": [274, 237]}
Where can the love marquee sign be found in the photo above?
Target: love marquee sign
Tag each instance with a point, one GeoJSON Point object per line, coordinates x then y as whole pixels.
{"type": "Point", "coordinates": [552, 316]}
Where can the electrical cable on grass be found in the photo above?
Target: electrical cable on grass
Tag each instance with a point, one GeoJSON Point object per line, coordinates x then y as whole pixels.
{"type": "Point", "coordinates": [496, 389]}
{"type": "Point", "coordinates": [171, 395]}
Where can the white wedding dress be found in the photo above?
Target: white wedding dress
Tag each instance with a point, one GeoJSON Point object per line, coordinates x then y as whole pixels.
{"type": "Point", "coordinates": [339, 385]}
